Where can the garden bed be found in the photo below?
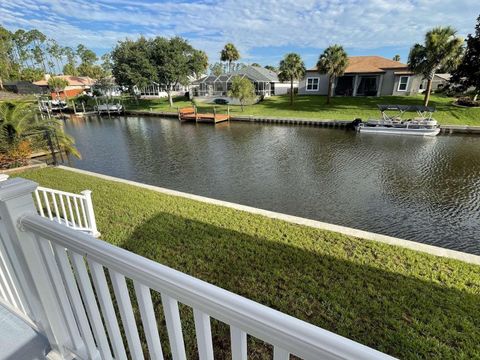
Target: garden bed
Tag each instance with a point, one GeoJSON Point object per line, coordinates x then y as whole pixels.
{"type": "Point", "coordinates": [408, 304]}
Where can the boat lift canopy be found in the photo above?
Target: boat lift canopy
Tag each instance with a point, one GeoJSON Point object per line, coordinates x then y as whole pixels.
{"type": "Point", "coordinates": [423, 111]}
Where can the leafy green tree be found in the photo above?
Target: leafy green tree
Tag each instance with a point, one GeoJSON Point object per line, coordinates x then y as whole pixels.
{"type": "Point", "coordinates": [57, 84]}
{"type": "Point", "coordinates": [396, 58]}
{"type": "Point", "coordinates": [70, 68]}
{"type": "Point", "coordinates": [31, 74]}
{"type": "Point", "coordinates": [132, 65]}
{"type": "Point", "coordinates": [216, 69]}
{"type": "Point", "coordinates": [55, 52]}
{"type": "Point", "coordinates": [442, 49]}
{"type": "Point", "coordinates": [106, 64]}
{"type": "Point", "coordinates": [175, 62]}
{"type": "Point", "coordinates": [332, 62]}
{"type": "Point", "coordinates": [6, 45]}
{"type": "Point", "coordinates": [87, 65]}
{"type": "Point", "coordinates": [256, 64]}
{"type": "Point", "coordinates": [229, 54]}
{"type": "Point", "coordinates": [271, 68]}
{"type": "Point", "coordinates": [291, 68]}
{"type": "Point", "coordinates": [242, 89]}
{"type": "Point", "coordinates": [467, 73]}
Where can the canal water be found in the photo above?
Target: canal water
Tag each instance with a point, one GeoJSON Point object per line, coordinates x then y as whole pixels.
{"type": "Point", "coordinates": [421, 189]}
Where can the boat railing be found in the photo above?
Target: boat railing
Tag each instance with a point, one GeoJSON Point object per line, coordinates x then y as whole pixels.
{"type": "Point", "coordinates": [82, 291]}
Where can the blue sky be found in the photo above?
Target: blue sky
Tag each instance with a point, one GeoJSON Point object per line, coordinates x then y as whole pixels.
{"type": "Point", "coordinates": [262, 30]}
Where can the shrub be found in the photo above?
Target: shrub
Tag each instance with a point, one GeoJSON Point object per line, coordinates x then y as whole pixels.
{"type": "Point", "coordinates": [466, 101]}
{"type": "Point", "coordinates": [18, 155]}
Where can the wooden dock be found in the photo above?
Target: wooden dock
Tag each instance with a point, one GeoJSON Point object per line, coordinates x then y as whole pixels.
{"type": "Point", "coordinates": [191, 114]}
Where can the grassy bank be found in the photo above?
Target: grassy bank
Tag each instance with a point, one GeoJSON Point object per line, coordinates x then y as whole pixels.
{"type": "Point", "coordinates": [315, 107]}
{"type": "Point", "coordinates": [408, 304]}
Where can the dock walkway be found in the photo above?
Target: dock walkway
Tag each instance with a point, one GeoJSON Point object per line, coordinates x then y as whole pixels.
{"type": "Point", "coordinates": [191, 114]}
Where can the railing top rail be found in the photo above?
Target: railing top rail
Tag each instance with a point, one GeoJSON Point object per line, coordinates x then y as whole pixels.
{"type": "Point", "coordinates": [41, 188]}
{"type": "Point", "coordinates": [294, 335]}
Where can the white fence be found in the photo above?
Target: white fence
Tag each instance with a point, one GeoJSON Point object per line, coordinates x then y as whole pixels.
{"type": "Point", "coordinates": [69, 273]}
{"type": "Point", "coordinates": [73, 210]}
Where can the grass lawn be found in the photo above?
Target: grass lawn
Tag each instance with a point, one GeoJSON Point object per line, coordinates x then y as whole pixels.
{"type": "Point", "coordinates": [315, 107]}
{"type": "Point", "coordinates": [408, 304]}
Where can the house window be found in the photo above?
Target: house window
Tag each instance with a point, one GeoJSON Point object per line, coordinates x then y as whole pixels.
{"type": "Point", "coordinates": [312, 84]}
{"type": "Point", "coordinates": [403, 83]}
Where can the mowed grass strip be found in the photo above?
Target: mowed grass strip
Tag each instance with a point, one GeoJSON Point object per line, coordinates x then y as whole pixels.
{"type": "Point", "coordinates": [408, 304]}
{"type": "Point", "coordinates": [315, 107]}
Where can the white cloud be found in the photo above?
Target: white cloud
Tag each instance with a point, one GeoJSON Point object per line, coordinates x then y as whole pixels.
{"type": "Point", "coordinates": [250, 24]}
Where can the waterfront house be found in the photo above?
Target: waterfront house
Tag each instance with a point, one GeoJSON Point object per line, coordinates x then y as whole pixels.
{"type": "Point", "coordinates": [364, 76]}
{"type": "Point", "coordinates": [266, 83]}
{"type": "Point", "coordinates": [76, 85]}
{"type": "Point", "coordinates": [439, 81]}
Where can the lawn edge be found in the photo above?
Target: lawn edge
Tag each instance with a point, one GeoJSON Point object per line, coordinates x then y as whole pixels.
{"type": "Point", "coordinates": [361, 234]}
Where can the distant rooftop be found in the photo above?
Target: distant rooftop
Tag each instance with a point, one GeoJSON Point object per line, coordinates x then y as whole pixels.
{"type": "Point", "coordinates": [254, 73]}
{"type": "Point", "coordinates": [370, 64]}
{"type": "Point", "coordinates": [72, 80]}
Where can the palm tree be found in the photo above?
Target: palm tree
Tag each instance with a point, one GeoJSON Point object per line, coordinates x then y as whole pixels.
{"type": "Point", "coordinates": [229, 53]}
{"type": "Point", "coordinates": [291, 68]}
{"type": "Point", "coordinates": [19, 122]}
{"type": "Point", "coordinates": [396, 58]}
{"type": "Point", "coordinates": [442, 49]}
{"type": "Point", "coordinates": [333, 62]}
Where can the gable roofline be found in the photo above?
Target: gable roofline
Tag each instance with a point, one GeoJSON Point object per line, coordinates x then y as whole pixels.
{"type": "Point", "coordinates": [369, 64]}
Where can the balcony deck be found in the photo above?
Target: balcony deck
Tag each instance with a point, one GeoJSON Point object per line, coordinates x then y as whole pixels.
{"type": "Point", "coordinates": [18, 340]}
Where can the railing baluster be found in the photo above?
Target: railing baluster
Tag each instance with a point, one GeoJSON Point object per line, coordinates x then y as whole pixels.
{"type": "Point", "coordinates": [76, 301]}
{"type": "Point", "coordinates": [108, 311]}
{"type": "Point", "coordinates": [72, 219]}
{"type": "Point", "coordinates": [239, 343]}
{"type": "Point", "coordinates": [149, 322]}
{"type": "Point", "coordinates": [88, 297]}
{"type": "Point", "coordinates": [280, 354]}
{"type": "Point", "coordinates": [48, 258]}
{"type": "Point", "coordinates": [204, 335]}
{"type": "Point", "coordinates": [64, 211]}
{"type": "Point", "coordinates": [47, 204]}
{"type": "Point", "coordinates": [84, 213]}
{"type": "Point", "coordinates": [126, 313]}
{"type": "Point", "coordinates": [174, 327]}
{"type": "Point", "coordinates": [39, 203]}
{"type": "Point", "coordinates": [7, 287]}
{"type": "Point", "coordinates": [79, 219]}
{"type": "Point", "coordinates": [55, 205]}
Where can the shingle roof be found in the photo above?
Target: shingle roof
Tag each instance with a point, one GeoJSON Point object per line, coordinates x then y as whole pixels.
{"type": "Point", "coordinates": [370, 64]}
{"type": "Point", "coordinates": [72, 80]}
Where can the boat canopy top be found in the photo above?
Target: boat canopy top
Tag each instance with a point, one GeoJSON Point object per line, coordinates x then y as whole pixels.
{"type": "Point", "coordinates": [404, 108]}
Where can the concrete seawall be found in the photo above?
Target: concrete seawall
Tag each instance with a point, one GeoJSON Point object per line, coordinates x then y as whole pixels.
{"type": "Point", "coordinates": [412, 245]}
{"type": "Point", "coordinates": [339, 124]}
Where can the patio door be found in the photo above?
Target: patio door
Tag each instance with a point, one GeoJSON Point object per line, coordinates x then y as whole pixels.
{"type": "Point", "coordinates": [367, 86]}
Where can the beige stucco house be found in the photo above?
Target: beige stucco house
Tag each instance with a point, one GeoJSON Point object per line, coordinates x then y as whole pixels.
{"type": "Point", "coordinates": [364, 76]}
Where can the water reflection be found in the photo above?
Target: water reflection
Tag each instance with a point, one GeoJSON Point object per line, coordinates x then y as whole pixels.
{"type": "Point", "coordinates": [425, 190]}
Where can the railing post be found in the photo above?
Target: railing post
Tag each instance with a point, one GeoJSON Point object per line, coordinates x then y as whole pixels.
{"type": "Point", "coordinates": [90, 212]}
{"type": "Point", "coordinates": [25, 256]}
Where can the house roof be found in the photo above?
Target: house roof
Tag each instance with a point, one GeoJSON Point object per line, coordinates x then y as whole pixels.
{"type": "Point", "coordinates": [445, 77]}
{"type": "Point", "coordinates": [370, 64]}
{"type": "Point", "coordinates": [72, 80]}
{"type": "Point", "coordinates": [254, 73]}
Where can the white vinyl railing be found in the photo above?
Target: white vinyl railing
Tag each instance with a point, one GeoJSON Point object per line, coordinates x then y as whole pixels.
{"type": "Point", "coordinates": [71, 272]}
{"type": "Point", "coordinates": [73, 210]}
